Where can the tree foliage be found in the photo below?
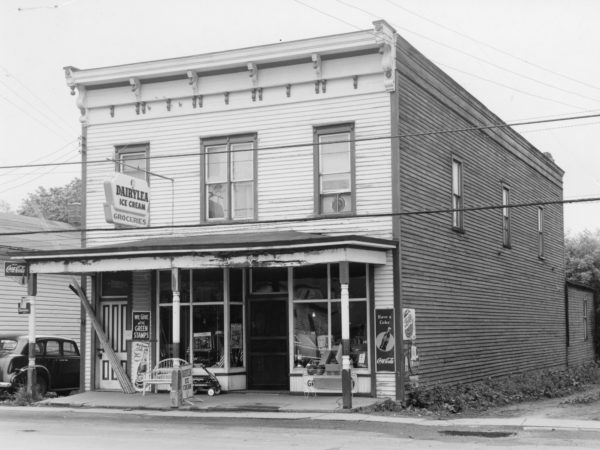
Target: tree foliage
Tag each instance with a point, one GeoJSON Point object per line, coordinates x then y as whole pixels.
{"type": "Point", "coordinates": [583, 258]}
{"type": "Point", "coordinates": [53, 203]}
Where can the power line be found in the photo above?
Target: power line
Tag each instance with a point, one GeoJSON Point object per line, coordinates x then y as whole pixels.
{"type": "Point", "coordinates": [310, 144]}
{"type": "Point", "coordinates": [499, 50]}
{"type": "Point", "coordinates": [319, 218]}
{"type": "Point", "coordinates": [485, 61]}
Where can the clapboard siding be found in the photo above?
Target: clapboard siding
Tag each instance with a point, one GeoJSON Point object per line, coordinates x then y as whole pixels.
{"type": "Point", "coordinates": [581, 345]}
{"type": "Point", "coordinates": [57, 309]}
{"type": "Point", "coordinates": [481, 309]}
{"type": "Point", "coordinates": [285, 178]}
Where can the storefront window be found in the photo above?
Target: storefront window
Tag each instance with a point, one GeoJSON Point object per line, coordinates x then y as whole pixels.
{"type": "Point", "coordinates": [357, 287]}
{"type": "Point", "coordinates": [236, 285]}
{"type": "Point", "coordinates": [208, 338]}
{"type": "Point", "coordinates": [207, 285]}
{"type": "Point", "coordinates": [165, 293]}
{"type": "Point", "coordinates": [236, 337]}
{"type": "Point", "coordinates": [310, 282]}
{"type": "Point", "coordinates": [271, 280]}
{"type": "Point", "coordinates": [317, 324]}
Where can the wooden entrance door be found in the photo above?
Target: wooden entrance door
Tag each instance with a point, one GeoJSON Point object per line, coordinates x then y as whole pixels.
{"type": "Point", "coordinates": [268, 359]}
{"type": "Point", "coordinates": [113, 314]}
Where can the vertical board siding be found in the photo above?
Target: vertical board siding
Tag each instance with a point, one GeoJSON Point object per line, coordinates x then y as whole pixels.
{"type": "Point", "coordinates": [580, 350]}
{"type": "Point", "coordinates": [481, 309]}
{"type": "Point", "coordinates": [57, 309]}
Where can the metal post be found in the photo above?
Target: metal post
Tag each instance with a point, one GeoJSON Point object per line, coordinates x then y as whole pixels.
{"type": "Point", "coordinates": [31, 292]}
{"type": "Point", "coordinates": [346, 366]}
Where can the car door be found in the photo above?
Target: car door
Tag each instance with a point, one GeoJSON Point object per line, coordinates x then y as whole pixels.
{"type": "Point", "coordinates": [50, 360]}
{"type": "Point", "coordinates": [69, 365]}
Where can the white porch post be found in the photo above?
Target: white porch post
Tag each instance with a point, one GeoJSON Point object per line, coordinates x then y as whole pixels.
{"type": "Point", "coordinates": [346, 366]}
{"type": "Point", "coordinates": [176, 311]}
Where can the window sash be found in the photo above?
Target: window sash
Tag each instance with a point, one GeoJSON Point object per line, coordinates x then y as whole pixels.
{"type": "Point", "coordinates": [540, 230]}
{"type": "Point", "coordinates": [229, 180]}
{"type": "Point", "coordinates": [506, 217]}
{"type": "Point", "coordinates": [457, 194]}
{"type": "Point", "coordinates": [334, 182]}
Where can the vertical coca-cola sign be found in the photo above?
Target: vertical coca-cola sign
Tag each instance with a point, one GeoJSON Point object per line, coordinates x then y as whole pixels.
{"type": "Point", "coordinates": [384, 340]}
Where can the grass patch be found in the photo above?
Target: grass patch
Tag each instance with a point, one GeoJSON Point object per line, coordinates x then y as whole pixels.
{"type": "Point", "coordinates": [493, 392]}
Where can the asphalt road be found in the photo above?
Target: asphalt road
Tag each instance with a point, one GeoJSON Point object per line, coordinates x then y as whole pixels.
{"type": "Point", "coordinates": [55, 428]}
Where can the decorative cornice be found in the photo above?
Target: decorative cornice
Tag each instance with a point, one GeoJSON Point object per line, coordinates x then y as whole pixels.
{"type": "Point", "coordinates": [194, 81]}
{"type": "Point", "coordinates": [385, 36]}
{"type": "Point", "coordinates": [80, 102]}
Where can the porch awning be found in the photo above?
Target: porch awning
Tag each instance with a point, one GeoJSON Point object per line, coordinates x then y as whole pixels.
{"type": "Point", "coordinates": [264, 249]}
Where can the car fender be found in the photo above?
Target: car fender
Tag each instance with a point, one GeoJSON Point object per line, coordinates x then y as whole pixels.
{"type": "Point", "coordinates": [23, 372]}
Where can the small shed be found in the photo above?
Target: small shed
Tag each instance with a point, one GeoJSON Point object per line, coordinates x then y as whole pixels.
{"type": "Point", "coordinates": [580, 323]}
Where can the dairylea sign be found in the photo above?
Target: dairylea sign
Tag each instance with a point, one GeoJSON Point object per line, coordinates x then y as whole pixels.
{"type": "Point", "coordinates": [127, 201]}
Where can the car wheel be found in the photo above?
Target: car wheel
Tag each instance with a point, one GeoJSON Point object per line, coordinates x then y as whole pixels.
{"type": "Point", "coordinates": [211, 392]}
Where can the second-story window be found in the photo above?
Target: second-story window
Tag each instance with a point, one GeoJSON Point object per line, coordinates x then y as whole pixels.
{"type": "Point", "coordinates": [457, 195]}
{"type": "Point", "coordinates": [132, 160]}
{"type": "Point", "coordinates": [540, 231]}
{"type": "Point", "coordinates": [229, 173]}
{"type": "Point", "coordinates": [505, 216]}
{"type": "Point", "coordinates": [334, 174]}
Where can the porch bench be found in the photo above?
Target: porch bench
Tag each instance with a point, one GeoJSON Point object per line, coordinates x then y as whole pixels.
{"type": "Point", "coordinates": [162, 373]}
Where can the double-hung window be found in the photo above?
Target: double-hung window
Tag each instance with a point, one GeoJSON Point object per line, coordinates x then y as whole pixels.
{"type": "Point", "coordinates": [230, 181]}
{"type": "Point", "coordinates": [132, 160]}
{"type": "Point", "coordinates": [334, 160]}
{"type": "Point", "coordinates": [540, 232]}
{"type": "Point", "coordinates": [457, 195]}
{"type": "Point", "coordinates": [505, 217]}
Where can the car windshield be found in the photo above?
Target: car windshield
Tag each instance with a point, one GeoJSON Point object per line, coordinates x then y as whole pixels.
{"type": "Point", "coordinates": [7, 345]}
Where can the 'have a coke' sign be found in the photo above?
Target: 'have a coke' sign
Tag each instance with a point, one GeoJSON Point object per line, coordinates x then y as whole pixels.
{"type": "Point", "coordinates": [127, 201]}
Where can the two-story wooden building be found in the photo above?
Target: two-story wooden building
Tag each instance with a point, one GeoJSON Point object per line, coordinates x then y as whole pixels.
{"type": "Point", "coordinates": [226, 192]}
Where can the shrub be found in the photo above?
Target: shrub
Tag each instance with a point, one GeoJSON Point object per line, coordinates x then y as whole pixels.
{"type": "Point", "coordinates": [502, 390]}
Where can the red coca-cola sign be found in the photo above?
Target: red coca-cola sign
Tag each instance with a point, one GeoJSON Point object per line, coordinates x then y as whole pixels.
{"type": "Point", "coordinates": [15, 269]}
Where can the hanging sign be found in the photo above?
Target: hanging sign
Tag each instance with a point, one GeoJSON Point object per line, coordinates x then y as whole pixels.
{"type": "Point", "coordinates": [384, 340]}
{"type": "Point", "coordinates": [127, 201]}
{"type": "Point", "coordinates": [141, 326]}
{"type": "Point", "coordinates": [24, 306]}
{"type": "Point", "coordinates": [409, 332]}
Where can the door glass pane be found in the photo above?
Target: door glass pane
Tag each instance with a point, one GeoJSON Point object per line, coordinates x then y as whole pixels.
{"type": "Point", "coordinates": [335, 156]}
{"type": "Point", "coordinates": [358, 334]}
{"type": "Point", "coordinates": [216, 164]}
{"type": "Point", "coordinates": [269, 280]}
{"type": "Point", "coordinates": [216, 196]}
{"type": "Point", "coordinates": [242, 162]}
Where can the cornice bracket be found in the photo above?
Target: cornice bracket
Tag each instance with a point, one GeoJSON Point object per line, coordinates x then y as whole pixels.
{"type": "Point", "coordinates": [253, 74]}
{"type": "Point", "coordinates": [385, 37]}
{"type": "Point", "coordinates": [136, 88]}
{"type": "Point", "coordinates": [316, 59]}
{"type": "Point", "coordinates": [194, 81]}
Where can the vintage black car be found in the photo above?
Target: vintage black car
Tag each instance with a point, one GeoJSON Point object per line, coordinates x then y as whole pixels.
{"type": "Point", "coordinates": [56, 363]}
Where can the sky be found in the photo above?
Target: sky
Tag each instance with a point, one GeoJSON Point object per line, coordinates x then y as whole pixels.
{"type": "Point", "coordinates": [524, 59]}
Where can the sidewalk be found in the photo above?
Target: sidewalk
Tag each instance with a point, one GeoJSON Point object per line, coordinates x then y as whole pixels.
{"type": "Point", "coordinates": [265, 405]}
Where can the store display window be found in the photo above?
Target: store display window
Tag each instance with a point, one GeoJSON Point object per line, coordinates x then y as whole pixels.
{"type": "Point", "coordinates": [317, 317]}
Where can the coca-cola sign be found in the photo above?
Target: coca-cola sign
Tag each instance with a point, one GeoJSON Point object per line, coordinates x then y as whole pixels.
{"type": "Point", "coordinates": [15, 269]}
{"type": "Point", "coordinates": [384, 340]}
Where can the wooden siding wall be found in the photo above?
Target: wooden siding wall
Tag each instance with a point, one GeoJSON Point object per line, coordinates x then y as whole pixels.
{"type": "Point", "coordinates": [57, 308]}
{"type": "Point", "coordinates": [285, 176]}
{"type": "Point", "coordinates": [481, 309]}
{"type": "Point", "coordinates": [580, 350]}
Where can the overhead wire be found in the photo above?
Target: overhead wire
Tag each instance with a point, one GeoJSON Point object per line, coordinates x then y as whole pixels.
{"type": "Point", "coordinates": [321, 218]}
{"type": "Point", "coordinates": [312, 143]}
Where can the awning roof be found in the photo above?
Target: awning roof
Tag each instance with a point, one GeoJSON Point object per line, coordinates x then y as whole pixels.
{"type": "Point", "coordinates": [277, 248]}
